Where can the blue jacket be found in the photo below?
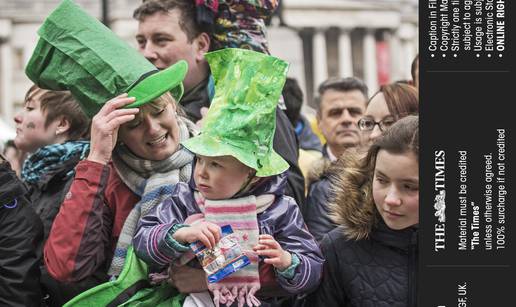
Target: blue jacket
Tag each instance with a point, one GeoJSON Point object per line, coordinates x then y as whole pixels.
{"type": "Point", "coordinates": [282, 220]}
{"type": "Point", "coordinates": [308, 140]}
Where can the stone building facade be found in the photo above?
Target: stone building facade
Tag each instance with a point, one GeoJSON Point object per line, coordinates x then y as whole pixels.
{"type": "Point", "coordinates": [371, 39]}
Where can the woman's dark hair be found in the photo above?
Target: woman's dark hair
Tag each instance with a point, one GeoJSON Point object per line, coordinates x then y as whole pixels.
{"type": "Point", "coordinates": [62, 103]}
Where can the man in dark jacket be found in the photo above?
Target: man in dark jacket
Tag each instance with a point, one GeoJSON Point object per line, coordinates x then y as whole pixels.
{"type": "Point", "coordinates": [169, 31]}
{"type": "Point", "coordinates": [341, 103]}
{"type": "Point", "coordinates": [20, 243]}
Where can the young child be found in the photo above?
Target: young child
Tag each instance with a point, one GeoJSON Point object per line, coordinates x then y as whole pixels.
{"type": "Point", "coordinates": [238, 180]}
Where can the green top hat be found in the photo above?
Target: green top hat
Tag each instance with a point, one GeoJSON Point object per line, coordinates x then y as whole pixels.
{"type": "Point", "coordinates": [76, 52]}
{"type": "Point", "coordinates": [242, 117]}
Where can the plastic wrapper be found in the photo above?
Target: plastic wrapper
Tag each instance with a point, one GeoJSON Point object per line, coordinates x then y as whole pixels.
{"type": "Point", "coordinates": [223, 259]}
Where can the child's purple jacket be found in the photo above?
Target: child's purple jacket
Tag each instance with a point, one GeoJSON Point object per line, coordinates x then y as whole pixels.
{"type": "Point", "coordinates": [282, 220]}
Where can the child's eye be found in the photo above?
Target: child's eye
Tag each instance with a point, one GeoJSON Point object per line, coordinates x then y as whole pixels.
{"type": "Point", "coordinates": [215, 164]}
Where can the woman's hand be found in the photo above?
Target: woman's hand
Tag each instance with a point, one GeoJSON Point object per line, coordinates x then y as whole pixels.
{"type": "Point", "coordinates": [206, 232]}
{"type": "Point", "coordinates": [187, 279]}
{"type": "Point", "coordinates": [104, 127]}
{"type": "Point", "coordinates": [267, 246]}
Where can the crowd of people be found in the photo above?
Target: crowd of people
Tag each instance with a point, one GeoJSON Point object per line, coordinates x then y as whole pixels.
{"type": "Point", "coordinates": [123, 158]}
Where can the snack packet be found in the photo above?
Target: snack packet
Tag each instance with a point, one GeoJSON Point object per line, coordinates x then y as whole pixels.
{"type": "Point", "coordinates": [223, 259]}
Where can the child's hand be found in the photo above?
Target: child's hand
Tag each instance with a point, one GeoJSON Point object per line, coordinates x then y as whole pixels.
{"type": "Point", "coordinates": [206, 232]}
{"type": "Point", "coordinates": [270, 248]}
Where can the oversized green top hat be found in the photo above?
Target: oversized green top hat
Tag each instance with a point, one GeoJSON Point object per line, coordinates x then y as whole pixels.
{"type": "Point", "coordinates": [76, 52]}
{"type": "Point", "coordinates": [242, 117]}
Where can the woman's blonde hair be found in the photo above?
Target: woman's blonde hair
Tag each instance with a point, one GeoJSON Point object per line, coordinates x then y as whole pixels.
{"type": "Point", "coordinates": [157, 105]}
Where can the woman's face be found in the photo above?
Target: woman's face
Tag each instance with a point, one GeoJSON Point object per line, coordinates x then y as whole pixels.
{"type": "Point", "coordinates": [396, 189]}
{"type": "Point", "coordinates": [377, 111]}
{"type": "Point", "coordinates": [31, 132]}
{"type": "Point", "coordinates": [153, 136]}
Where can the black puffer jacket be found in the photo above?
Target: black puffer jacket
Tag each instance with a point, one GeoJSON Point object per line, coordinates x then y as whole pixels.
{"type": "Point", "coordinates": [367, 263]}
{"type": "Point", "coordinates": [20, 244]}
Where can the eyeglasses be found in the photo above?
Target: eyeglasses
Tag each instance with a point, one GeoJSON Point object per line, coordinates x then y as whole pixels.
{"type": "Point", "coordinates": [368, 123]}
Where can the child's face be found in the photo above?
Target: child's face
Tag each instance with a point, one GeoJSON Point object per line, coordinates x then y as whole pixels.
{"type": "Point", "coordinates": [220, 177]}
{"type": "Point", "coordinates": [396, 189]}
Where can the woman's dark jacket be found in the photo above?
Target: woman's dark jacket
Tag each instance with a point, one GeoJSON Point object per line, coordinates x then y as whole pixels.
{"type": "Point", "coordinates": [46, 196]}
{"type": "Point", "coordinates": [48, 193]}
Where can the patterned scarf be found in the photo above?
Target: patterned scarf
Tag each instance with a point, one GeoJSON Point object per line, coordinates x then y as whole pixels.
{"type": "Point", "coordinates": [241, 214]}
{"type": "Point", "coordinates": [51, 158]}
{"type": "Point", "coordinates": [153, 181]}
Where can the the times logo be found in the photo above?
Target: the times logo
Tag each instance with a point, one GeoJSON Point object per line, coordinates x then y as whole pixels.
{"type": "Point", "coordinates": [440, 199]}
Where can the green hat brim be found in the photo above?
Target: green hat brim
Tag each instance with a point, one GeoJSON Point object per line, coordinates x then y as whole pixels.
{"type": "Point", "coordinates": [206, 145]}
{"type": "Point", "coordinates": [155, 85]}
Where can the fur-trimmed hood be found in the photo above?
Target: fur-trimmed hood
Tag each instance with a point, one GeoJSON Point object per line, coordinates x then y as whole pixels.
{"type": "Point", "coordinates": [353, 205]}
{"type": "Point", "coordinates": [319, 170]}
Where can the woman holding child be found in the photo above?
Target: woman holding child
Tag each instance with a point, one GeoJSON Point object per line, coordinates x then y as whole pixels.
{"type": "Point", "coordinates": [134, 155]}
{"type": "Point", "coordinates": [238, 180]}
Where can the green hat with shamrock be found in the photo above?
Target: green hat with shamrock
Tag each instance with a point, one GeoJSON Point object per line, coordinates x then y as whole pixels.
{"type": "Point", "coordinates": [76, 52]}
{"type": "Point", "coordinates": [242, 117]}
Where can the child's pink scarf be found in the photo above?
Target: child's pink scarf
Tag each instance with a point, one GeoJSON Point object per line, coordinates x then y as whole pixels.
{"type": "Point", "coordinates": [241, 214]}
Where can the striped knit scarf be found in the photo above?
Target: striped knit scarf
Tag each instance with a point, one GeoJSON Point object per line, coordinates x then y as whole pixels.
{"type": "Point", "coordinates": [51, 158]}
{"type": "Point", "coordinates": [241, 214]}
{"type": "Point", "coordinates": [153, 181]}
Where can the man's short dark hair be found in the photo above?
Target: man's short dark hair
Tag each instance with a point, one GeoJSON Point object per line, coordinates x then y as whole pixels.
{"type": "Point", "coordinates": [293, 97]}
{"type": "Point", "coordinates": [188, 14]}
{"type": "Point", "coordinates": [341, 85]}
